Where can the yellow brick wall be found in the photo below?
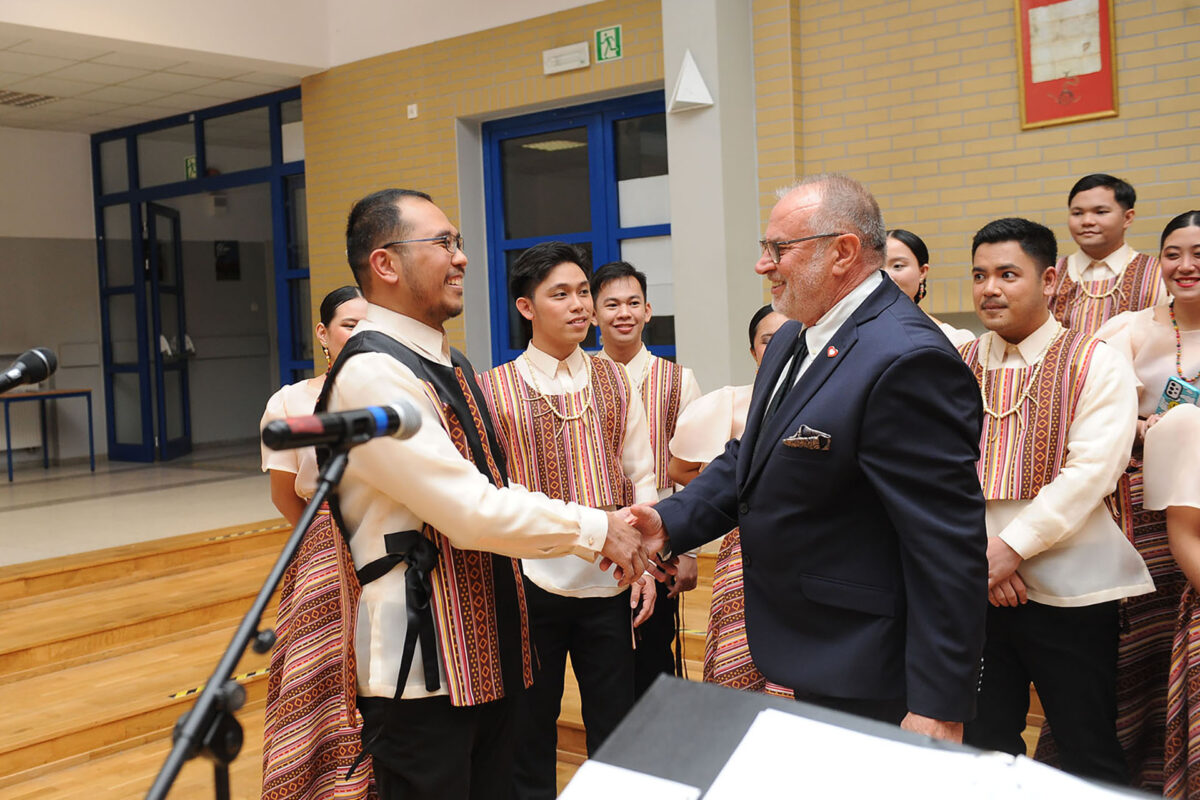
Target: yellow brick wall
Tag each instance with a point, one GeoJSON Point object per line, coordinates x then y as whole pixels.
{"type": "Point", "coordinates": [358, 138]}
{"type": "Point", "coordinates": [918, 99]}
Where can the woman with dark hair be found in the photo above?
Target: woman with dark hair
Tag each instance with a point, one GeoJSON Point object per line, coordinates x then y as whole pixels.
{"type": "Point", "coordinates": [701, 432]}
{"type": "Point", "coordinates": [908, 265]}
{"type": "Point", "coordinates": [308, 747]}
{"type": "Point", "coordinates": [1163, 343]}
{"type": "Point", "coordinates": [294, 472]}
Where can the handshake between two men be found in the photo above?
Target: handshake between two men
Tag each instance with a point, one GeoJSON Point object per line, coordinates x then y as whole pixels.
{"type": "Point", "coordinates": [635, 542]}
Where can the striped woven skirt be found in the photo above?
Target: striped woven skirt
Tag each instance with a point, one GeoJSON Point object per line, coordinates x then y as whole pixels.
{"type": "Point", "coordinates": [727, 658]}
{"type": "Point", "coordinates": [312, 731]}
{"type": "Point", "coordinates": [1183, 705]}
{"type": "Point", "coordinates": [1144, 651]}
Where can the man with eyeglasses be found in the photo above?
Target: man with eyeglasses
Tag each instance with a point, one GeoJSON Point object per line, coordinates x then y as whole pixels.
{"type": "Point", "coordinates": [442, 634]}
{"type": "Point", "coordinates": [854, 484]}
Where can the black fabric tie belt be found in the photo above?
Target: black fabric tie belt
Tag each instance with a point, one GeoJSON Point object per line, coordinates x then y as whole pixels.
{"type": "Point", "coordinates": [420, 555]}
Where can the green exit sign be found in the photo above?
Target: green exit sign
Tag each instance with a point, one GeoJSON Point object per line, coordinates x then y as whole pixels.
{"type": "Point", "coordinates": [608, 43]}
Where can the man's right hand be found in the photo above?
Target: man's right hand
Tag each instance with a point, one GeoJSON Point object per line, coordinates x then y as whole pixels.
{"type": "Point", "coordinates": [623, 547]}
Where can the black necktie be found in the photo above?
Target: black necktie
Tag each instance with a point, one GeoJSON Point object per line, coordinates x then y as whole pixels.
{"type": "Point", "coordinates": [799, 353]}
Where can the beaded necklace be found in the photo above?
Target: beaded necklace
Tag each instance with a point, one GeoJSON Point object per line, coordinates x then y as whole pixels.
{"type": "Point", "coordinates": [1179, 346]}
{"type": "Point", "coordinates": [1026, 391]}
{"type": "Point", "coordinates": [1116, 288]}
{"type": "Point", "coordinates": [550, 407]}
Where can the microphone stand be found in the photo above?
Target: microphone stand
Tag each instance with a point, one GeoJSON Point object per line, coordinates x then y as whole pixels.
{"type": "Point", "coordinates": [210, 728]}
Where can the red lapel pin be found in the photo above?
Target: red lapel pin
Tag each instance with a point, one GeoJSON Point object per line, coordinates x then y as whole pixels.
{"type": "Point", "coordinates": [831, 352]}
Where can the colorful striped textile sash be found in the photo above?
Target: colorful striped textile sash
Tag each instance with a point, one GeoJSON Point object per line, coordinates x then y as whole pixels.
{"type": "Point", "coordinates": [661, 390]}
{"type": "Point", "coordinates": [470, 586]}
{"type": "Point", "coordinates": [1138, 287]}
{"type": "Point", "coordinates": [312, 729]}
{"type": "Point", "coordinates": [577, 460]}
{"type": "Point", "coordinates": [1025, 451]}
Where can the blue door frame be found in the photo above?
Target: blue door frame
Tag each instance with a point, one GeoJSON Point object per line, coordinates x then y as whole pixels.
{"type": "Point", "coordinates": [135, 198]}
{"type": "Point", "coordinates": [605, 235]}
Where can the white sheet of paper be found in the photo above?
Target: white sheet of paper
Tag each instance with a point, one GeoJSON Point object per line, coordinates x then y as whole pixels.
{"type": "Point", "coordinates": [786, 756]}
{"type": "Point", "coordinates": [596, 780]}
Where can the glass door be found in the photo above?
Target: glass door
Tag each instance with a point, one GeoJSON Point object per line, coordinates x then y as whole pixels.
{"type": "Point", "coordinates": [171, 345]}
{"type": "Point", "coordinates": [125, 334]}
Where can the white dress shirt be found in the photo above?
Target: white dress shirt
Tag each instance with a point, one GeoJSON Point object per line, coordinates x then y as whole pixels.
{"type": "Point", "coordinates": [567, 576]}
{"type": "Point", "coordinates": [823, 329]}
{"type": "Point", "coordinates": [1075, 555]}
{"type": "Point", "coordinates": [398, 484]}
{"type": "Point", "coordinates": [689, 391]}
{"type": "Point", "coordinates": [1081, 267]}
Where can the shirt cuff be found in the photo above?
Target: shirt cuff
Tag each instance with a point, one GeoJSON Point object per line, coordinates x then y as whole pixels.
{"type": "Point", "coordinates": [1023, 539]}
{"type": "Point", "coordinates": [593, 529]}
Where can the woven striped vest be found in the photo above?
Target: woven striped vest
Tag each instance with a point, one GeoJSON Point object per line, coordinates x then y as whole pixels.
{"type": "Point", "coordinates": [661, 390]}
{"type": "Point", "coordinates": [577, 460]}
{"type": "Point", "coordinates": [1025, 451]}
{"type": "Point", "coordinates": [1138, 287]}
{"type": "Point", "coordinates": [478, 598]}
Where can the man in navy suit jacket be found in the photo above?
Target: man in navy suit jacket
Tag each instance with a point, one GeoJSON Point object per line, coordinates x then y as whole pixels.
{"type": "Point", "coordinates": [862, 521]}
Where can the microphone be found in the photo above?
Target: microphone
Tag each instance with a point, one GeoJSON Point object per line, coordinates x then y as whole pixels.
{"type": "Point", "coordinates": [400, 419]}
{"type": "Point", "coordinates": [32, 366]}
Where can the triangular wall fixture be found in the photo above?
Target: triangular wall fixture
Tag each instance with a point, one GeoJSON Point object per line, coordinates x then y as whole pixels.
{"type": "Point", "coordinates": [690, 90]}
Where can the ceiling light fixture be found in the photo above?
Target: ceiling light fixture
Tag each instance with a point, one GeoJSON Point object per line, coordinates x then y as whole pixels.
{"type": "Point", "coordinates": [552, 145]}
{"type": "Point", "coordinates": [24, 99]}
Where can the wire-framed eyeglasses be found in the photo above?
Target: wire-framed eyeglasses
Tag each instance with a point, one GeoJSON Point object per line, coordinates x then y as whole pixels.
{"type": "Point", "coordinates": [772, 247]}
{"type": "Point", "coordinates": [453, 244]}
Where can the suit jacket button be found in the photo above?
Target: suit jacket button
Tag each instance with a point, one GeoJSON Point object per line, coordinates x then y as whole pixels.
{"type": "Point", "coordinates": [743, 508]}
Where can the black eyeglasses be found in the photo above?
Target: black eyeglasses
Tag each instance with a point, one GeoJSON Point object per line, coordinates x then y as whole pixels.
{"type": "Point", "coordinates": [453, 244]}
{"type": "Point", "coordinates": [772, 248]}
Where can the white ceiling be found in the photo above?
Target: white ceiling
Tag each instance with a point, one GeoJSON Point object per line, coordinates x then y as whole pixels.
{"type": "Point", "coordinates": [100, 86]}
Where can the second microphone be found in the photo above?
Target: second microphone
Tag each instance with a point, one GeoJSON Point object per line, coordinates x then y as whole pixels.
{"type": "Point", "coordinates": [400, 419]}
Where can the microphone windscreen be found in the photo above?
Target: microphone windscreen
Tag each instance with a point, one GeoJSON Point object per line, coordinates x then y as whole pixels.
{"type": "Point", "coordinates": [410, 419]}
{"type": "Point", "coordinates": [38, 364]}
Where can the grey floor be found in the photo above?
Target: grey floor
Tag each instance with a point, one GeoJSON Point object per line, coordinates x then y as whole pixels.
{"type": "Point", "coordinates": [68, 509]}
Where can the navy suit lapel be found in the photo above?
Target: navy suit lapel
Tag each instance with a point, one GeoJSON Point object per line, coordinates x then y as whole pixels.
{"type": "Point", "coordinates": [769, 371]}
{"type": "Point", "coordinates": [814, 377]}
{"type": "Point", "coordinates": [823, 366]}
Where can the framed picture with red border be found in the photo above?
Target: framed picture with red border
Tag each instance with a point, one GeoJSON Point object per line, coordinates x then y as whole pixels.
{"type": "Point", "coordinates": [1066, 56]}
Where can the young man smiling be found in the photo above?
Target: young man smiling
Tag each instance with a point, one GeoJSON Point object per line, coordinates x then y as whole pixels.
{"type": "Point", "coordinates": [665, 389]}
{"type": "Point", "coordinates": [572, 427]}
{"type": "Point", "coordinates": [1105, 276]}
{"type": "Point", "coordinates": [1059, 413]}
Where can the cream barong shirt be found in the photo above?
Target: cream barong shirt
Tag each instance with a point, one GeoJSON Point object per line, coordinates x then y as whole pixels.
{"type": "Point", "coordinates": [571, 577]}
{"type": "Point", "coordinates": [399, 484]}
{"type": "Point", "coordinates": [1075, 554]}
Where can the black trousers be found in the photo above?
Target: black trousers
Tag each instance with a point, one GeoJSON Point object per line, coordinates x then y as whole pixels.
{"type": "Point", "coordinates": [428, 749]}
{"type": "Point", "coordinates": [596, 632]}
{"type": "Point", "coordinates": [891, 711]}
{"type": "Point", "coordinates": [1070, 655]}
{"type": "Point", "coordinates": [655, 654]}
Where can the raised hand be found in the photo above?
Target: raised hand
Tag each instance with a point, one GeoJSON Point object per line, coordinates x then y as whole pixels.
{"type": "Point", "coordinates": [623, 547]}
